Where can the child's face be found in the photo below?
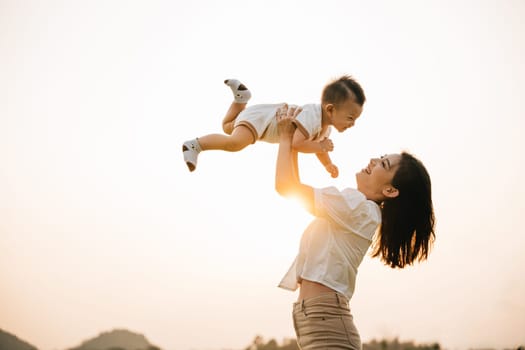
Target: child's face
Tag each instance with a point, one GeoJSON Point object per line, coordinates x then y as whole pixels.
{"type": "Point", "coordinates": [343, 116]}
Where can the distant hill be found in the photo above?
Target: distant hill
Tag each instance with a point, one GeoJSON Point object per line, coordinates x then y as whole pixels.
{"type": "Point", "coordinates": [118, 339]}
{"type": "Point", "coordinates": [11, 342]}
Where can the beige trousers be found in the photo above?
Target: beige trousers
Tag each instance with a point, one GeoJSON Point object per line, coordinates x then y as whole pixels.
{"type": "Point", "coordinates": [325, 322]}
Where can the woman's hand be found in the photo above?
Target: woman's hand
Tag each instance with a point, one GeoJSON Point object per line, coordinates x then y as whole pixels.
{"type": "Point", "coordinates": [285, 116]}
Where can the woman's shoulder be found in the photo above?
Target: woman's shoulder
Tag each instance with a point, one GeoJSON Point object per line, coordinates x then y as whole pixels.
{"type": "Point", "coordinates": [350, 205]}
{"type": "Point", "coordinates": [358, 199]}
{"type": "Point", "coordinates": [352, 196]}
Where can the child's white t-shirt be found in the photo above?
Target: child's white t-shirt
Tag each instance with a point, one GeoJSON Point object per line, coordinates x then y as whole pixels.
{"type": "Point", "coordinates": [261, 121]}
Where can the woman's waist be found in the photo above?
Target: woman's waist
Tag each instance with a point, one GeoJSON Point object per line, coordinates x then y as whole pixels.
{"type": "Point", "coordinates": [310, 289]}
{"type": "Point", "coordinates": [319, 296]}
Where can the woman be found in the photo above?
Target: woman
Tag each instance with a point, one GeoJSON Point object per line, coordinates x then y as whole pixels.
{"type": "Point", "coordinates": [393, 194]}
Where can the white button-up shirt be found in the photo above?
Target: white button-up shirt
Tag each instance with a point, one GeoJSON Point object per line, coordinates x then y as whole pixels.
{"type": "Point", "coordinates": [334, 244]}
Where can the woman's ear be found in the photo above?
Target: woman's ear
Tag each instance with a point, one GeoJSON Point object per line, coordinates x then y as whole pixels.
{"type": "Point", "coordinates": [390, 191]}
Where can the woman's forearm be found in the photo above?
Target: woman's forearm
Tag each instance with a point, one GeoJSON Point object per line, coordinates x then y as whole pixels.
{"type": "Point", "coordinates": [287, 182]}
{"type": "Point", "coordinates": [286, 177]}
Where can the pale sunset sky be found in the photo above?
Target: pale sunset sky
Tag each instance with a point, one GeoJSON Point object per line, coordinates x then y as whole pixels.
{"type": "Point", "coordinates": [103, 227]}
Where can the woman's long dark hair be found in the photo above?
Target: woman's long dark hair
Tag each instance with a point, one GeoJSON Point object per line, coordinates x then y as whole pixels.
{"type": "Point", "coordinates": [407, 228]}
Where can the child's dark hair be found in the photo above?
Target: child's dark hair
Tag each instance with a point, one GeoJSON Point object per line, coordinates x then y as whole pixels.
{"type": "Point", "coordinates": [341, 89]}
{"type": "Point", "coordinates": [407, 228]}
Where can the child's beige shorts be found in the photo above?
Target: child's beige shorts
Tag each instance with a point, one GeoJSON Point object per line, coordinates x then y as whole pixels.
{"type": "Point", "coordinates": [261, 121]}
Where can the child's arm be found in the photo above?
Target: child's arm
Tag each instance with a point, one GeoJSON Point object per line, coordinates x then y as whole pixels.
{"type": "Point", "coordinates": [324, 158]}
{"type": "Point", "coordinates": [301, 144]}
{"type": "Point", "coordinates": [320, 148]}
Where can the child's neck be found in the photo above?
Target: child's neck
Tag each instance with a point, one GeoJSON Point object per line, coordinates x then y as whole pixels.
{"type": "Point", "coordinates": [325, 120]}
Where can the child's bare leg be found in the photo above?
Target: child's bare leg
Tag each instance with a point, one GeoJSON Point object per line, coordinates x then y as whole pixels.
{"type": "Point", "coordinates": [229, 119]}
{"type": "Point", "coordinates": [237, 138]}
{"type": "Point", "coordinates": [241, 96]}
{"type": "Point", "coordinates": [240, 138]}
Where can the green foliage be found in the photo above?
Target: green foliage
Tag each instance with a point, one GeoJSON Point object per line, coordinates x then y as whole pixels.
{"type": "Point", "coordinates": [117, 339]}
{"type": "Point", "coordinates": [258, 344]}
{"type": "Point", "coordinates": [290, 344]}
{"type": "Point", "coordinates": [11, 342]}
{"type": "Point", "coordinates": [152, 347]}
{"type": "Point", "coordinates": [396, 345]}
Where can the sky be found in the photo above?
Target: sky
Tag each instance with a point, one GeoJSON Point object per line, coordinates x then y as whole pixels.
{"type": "Point", "coordinates": [103, 227]}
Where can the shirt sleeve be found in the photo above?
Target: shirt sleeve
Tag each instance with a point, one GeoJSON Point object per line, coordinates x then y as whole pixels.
{"type": "Point", "coordinates": [309, 121]}
{"type": "Point", "coordinates": [326, 133]}
{"type": "Point", "coordinates": [349, 209]}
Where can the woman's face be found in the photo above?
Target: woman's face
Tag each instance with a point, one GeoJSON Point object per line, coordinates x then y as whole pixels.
{"type": "Point", "coordinates": [375, 181]}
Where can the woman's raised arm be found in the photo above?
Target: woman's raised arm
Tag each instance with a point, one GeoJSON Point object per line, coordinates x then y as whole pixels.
{"type": "Point", "coordinates": [287, 182]}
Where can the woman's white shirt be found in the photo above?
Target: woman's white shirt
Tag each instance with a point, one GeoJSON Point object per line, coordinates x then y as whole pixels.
{"type": "Point", "coordinates": [334, 244]}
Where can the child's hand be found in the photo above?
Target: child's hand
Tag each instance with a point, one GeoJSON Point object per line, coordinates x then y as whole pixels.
{"type": "Point", "coordinates": [327, 145]}
{"type": "Point", "coordinates": [332, 169]}
{"type": "Point", "coordinates": [285, 116]}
